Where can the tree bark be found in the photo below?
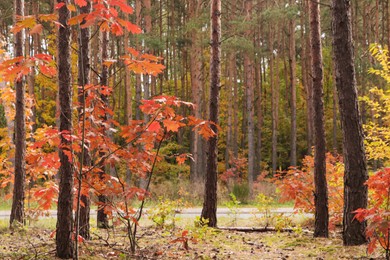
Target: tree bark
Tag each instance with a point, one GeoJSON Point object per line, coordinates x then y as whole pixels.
{"type": "Point", "coordinates": [321, 189]}
{"type": "Point", "coordinates": [196, 71]}
{"type": "Point", "coordinates": [235, 107]}
{"type": "Point", "coordinates": [308, 86]}
{"type": "Point", "coordinates": [249, 88]}
{"type": "Point", "coordinates": [102, 218]}
{"type": "Point", "coordinates": [229, 90]}
{"type": "Point", "coordinates": [64, 243]}
{"type": "Point", "coordinates": [85, 158]}
{"type": "Point", "coordinates": [274, 69]}
{"type": "Point", "coordinates": [293, 88]}
{"type": "Point", "coordinates": [209, 210]}
{"type": "Point", "coordinates": [138, 83]}
{"type": "Point", "coordinates": [355, 175]}
{"type": "Point", "coordinates": [17, 210]}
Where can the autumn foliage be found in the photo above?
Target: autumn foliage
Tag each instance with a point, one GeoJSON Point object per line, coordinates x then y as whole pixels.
{"type": "Point", "coordinates": [378, 214]}
{"type": "Point", "coordinates": [297, 184]}
{"type": "Point", "coordinates": [115, 150]}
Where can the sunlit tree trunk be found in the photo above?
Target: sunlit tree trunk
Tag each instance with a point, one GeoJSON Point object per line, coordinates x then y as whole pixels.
{"type": "Point", "coordinates": [64, 243]}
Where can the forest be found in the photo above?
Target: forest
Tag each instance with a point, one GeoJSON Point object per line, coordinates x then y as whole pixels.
{"type": "Point", "coordinates": [194, 129]}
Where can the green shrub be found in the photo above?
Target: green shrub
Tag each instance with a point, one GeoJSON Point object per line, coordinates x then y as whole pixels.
{"type": "Point", "coordinates": [241, 191]}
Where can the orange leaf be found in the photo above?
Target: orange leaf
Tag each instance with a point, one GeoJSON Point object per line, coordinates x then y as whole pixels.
{"type": "Point", "coordinates": [181, 158]}
{"type": "Point", "coordinates": [76, 19]}
{"type": "Point", "coordinates": [108, 63]}
{"type": "Point", "coordinates": [172, 125]}
{"type": "Point", "coordinates": [71, 8]}
{"type": "Point", "coordinates": [36, 29]}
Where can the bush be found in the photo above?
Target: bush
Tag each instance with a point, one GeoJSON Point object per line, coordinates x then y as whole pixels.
{"type": "Point", "coordinates": [298, 185]}
{"type": "Point", "coordinates": [241, 192]}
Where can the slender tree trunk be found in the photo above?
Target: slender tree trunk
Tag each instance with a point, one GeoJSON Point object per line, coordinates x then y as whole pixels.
{"type": "Point", "coordinates": [138, 83]}
{"type": "Point", "coordinates": [102, 218]}
{"type": "Point", "coordinates": [259, 116]}
{"type": "Point", "coordinates": [274, 69]}
{"type": "Point", "coordinates": [64, 243]}
{"type": "Point", "coordinates": [31, 49]}
{"type": "Point", "coordinates": [258, 97]}
{"type": "Point", "coordinates": [229, 90]}
{"type": "Point", "coordinates": [334, 113]}
{"type": "Point", "coordinates": [127, 81]}
{"type": "Point", "coordinates": [355, 175]}
{"type": "Point", "coordinates": [148, 29]}
{"type": "Point", "coordinates": [321, 189]}
{"type": "Point", "coordinates": [235, 108]}
{"type": "Point", "coordinates": [209, 210]}
{"type": "Point", "coordinates": [292, 62]}
{"type": "Point", "coordinates": [309, 87]}
{"type": "Point", "coordinates": [196, 71]}
{"type": "Point", "coordinates": [249, 88]}
{"type": "Point", "coordinates": [83, 80]}
{"type": "Point", "coordinates": [17, 210]}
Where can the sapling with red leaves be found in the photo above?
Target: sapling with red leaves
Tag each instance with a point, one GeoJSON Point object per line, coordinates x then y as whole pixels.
{"type": "Point", "coordinates": [377, 214]}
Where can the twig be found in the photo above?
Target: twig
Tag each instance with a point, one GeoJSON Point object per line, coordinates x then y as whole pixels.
{"type": "Point", "coordinates": [261, 229]}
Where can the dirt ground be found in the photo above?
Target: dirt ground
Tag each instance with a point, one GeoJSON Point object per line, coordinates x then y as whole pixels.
{"type": "Point", "coordinates": [202, 243]}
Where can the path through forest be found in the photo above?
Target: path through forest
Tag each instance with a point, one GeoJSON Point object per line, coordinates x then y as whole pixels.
{"type": "Point", "coordinates": [242, 213]}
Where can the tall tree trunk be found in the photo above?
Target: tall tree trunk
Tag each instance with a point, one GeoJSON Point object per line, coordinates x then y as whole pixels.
{"type": "Point", "coordinates": [274, 69]}
{"type": "Point", "coordinates": [292, 62]}
{"type": "Point", "coordinates": [309, 87]}
{"type": "Point", "coordinates": [229, 90]}
{"type": "Point", "coordinates": [355, 175]}
{"type": "Point", "coordinates": [148, 29]}
{"type": "Point", "coordinates": [127, 81]}
{"type": "Point", "coordinates": [138, 83]}
{"type": "Point", "coordinates": [197, 166]}
{"type": "Point", "coordinates": [17, 210]}
{"type": "Point", "coordinates": [102, 218]}
{"type": "Point", "coordinates": [209, 210]}
{"type": "Point", "coordinates": [64, 243]}
{"type": "Point", "coordinates": [85, 159]}
{"type": "Point", "coordinates": [249, 88]}
{"type": "Point", "coordinates": [259, 110]}
{"type": "Point", "coordinates": [233, 71]}
{"type": "Point", "coordinates": [321, 189]}
{"type": "Point", "coordinates": [31, 49]}
{"type": "Point", "coordinates": [334, 115]}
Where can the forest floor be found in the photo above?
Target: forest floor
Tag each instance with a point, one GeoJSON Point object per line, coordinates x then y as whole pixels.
{"type": "Point", "coordinates": [37, 242]}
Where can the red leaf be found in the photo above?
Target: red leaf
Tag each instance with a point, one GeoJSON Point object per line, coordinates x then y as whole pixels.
{"type": "Point", "coordinates": [80, 3]}
{"type": "Point", "coordinates": [59, 5]}
{"type": "Point", "coordinates": [154, 127]}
